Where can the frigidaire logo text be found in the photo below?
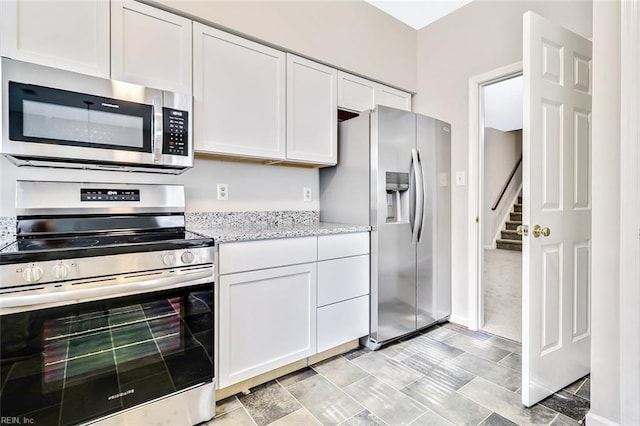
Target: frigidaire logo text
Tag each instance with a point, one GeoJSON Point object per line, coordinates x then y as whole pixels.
{"type": "Point", "coordinates": [118, 395]}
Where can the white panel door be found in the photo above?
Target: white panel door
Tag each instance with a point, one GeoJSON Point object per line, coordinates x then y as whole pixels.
{"type": "Point", "coordinates": [556, 332]}
{"type": "Point", "coordinates": [267, 320]}
{"type": "Point", "coordinates": [312, 111]}
{"type": "Point", "coordinates": [66, 34]}
{"type": "Point", "coordinates": [388, 96]}
{"type": "Point", "coordinates": [239, 91]}
{"type": "Point", "coordinates": [150, 47]}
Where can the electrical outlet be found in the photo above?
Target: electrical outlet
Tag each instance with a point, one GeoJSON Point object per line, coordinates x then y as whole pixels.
{"type": "Point", "coordinates": [223, 192]}
{"type": "Point", "coordinates": [306, 194]}
{"type": "Point", "coordinates": [461, 179]}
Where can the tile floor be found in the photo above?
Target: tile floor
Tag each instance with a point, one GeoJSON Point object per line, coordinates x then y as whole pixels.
{"type": "Point", "coordinates": [446, 375]}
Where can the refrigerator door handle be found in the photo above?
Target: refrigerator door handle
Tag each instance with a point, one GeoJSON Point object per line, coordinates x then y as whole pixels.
{"type": "Point", "coordinates": [422, 189]}
{"type": "Point", "coordinates": [419, 191]}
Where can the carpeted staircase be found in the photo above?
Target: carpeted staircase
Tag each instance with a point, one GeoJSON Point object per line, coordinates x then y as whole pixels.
{"type": "Point", "coordinates": [509, 238]}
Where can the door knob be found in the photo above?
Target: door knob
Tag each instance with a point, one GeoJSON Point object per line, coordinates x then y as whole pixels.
{"type": "Point", "coordinates": [538, 231]}
{"type": "Point", "coordinates": [522, 230]}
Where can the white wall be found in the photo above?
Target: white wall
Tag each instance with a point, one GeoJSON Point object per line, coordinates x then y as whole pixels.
{"type": "Point", "coordinates": [502, 150]}
{"type": "Point", "coordinates": [503, 104]}
{"type": "Point", "coordinates": [605, 304]}
{"type": "Point", "coordinates": [351, 35]}
{"type": "Point", "coordinates": [479, 37]}
{"type": "Point", "coordinates": [251, 186]}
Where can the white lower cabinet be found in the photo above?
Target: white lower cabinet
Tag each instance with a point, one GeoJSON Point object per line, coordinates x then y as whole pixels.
{"type": "Point", "coordinates": [283, 300]}
{"type": "Point", "coordinates": [267, 320]}
{"type": "Point", "coordinates": [342, 322]}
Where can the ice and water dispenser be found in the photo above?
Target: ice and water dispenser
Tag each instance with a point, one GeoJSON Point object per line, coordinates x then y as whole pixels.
{"type": "Point", "coordinates": [397, 186]}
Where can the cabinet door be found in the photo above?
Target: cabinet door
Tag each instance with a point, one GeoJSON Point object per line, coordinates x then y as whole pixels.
{"type": "Point", "coordinates": [355, 93]}
{"type": "Point", "coordinates": [267, 320]}
{"type": "Point", "coordinates": [239, 95]}
{"type": "Point", "coordinates": [67, 34]}
{"type": "Point", "coordinates": [150, 47]}
{"type": "Point", "coordinates": [394, 98]}
{"type": "Point", "coordinates": [312, 111]}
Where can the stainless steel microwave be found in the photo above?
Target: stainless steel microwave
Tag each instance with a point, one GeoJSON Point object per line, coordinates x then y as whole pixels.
{"type": "Point", "coordinates": [56, 118]}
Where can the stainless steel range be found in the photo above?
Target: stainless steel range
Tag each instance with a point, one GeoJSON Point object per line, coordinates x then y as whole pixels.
{"type": "Point", "coordinates": [106, 308]}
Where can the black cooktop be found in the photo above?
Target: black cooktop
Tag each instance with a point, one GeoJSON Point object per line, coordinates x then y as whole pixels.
{"type": "Point", "coordinates": [58, 247]}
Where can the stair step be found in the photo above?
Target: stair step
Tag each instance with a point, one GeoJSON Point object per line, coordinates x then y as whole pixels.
{"type": "Point", "coordinates": [510, 235]}
{"type": "Point", "coordinates": [517, 208]}
{"type": "Point", "coordinates": [519, 199]}
{"type": "Point", "coordinates": [509, 245]}
{"type": "Point", "coordinates": [512, 224]}
{"type": "Point", "coordinates": [515, 216]}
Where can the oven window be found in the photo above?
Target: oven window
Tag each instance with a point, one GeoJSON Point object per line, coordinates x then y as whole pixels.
{"type": "Point", "coordinates": [47, 115]}
{"type": "Point", "coordinates": [63, 366]}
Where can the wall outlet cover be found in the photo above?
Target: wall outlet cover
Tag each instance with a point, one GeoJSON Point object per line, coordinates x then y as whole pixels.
{"type": "Point", "coordinates": [306, 194]}
{"type": "Point", "coordinates": [461, 178]}
{"type": "Point", "coordinates": [223, 192]}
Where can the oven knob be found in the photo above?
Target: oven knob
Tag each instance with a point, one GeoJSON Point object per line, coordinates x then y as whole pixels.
{"type": "Point", "coordinates": [32, 273]}
{"type": "Point", "coordinates": [169, 259]}
{"type": "Point", "coordinates": [60, 271]}
{"type": "Point", "coordinates": [187, 257]}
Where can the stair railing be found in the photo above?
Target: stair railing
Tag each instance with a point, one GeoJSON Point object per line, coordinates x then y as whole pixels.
{"type": "Point", "coordinates": [506, 184]}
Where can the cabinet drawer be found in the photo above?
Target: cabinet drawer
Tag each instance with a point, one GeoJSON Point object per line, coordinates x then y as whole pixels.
{"type": "Point", "coordinates": [342, 322]}
{"type": "Point", "coordinates": [251, 255]}
{"type": "Point", "coordinates": [343, 245]}
{"type": "Point", "coordinates": [341, 279]}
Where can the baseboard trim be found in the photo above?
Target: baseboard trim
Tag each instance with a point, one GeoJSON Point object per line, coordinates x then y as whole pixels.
{"type": "Point", "coordinates": [596, 420]}
{"type": "Point", "coordinates": [457, 320]}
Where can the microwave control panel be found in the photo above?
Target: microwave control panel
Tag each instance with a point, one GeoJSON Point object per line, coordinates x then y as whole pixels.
{"type": "Point", "coordinates": [175, 137]}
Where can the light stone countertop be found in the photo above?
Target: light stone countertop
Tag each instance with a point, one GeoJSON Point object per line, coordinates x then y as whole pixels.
{"type": "Point", "coordinates": [262, 231]}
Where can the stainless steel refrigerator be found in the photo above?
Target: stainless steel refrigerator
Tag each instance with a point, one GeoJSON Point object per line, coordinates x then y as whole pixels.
{"type": "Point", "coordinates": [393, 173]}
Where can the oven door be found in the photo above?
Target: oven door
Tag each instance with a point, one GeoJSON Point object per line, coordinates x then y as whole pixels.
{"type": "Point", "coordinates": [70, 364]}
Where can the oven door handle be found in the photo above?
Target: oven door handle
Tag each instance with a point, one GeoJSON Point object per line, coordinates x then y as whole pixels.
{"type": "Point", "coordinates": [61, 295]}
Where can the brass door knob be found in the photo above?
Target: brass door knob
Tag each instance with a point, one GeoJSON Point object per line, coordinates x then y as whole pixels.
{"type": "Point", "coordinates": [522, 230]}
{"type": "Point", "coordinates": [537, 231]}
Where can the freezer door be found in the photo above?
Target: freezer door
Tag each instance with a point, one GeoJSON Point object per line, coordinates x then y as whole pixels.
{"type": "Point", "coordinates": [393, 255]}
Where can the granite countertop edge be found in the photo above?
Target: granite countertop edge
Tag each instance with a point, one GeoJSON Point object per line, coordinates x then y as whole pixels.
{"type": "Point", "coordinates": [227, 234]}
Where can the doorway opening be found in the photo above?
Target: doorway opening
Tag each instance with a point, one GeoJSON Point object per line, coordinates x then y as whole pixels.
{"type": "Point", "coordinates": [501, 208]}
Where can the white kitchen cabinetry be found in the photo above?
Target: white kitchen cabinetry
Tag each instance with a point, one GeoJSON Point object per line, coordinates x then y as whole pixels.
{"type": "Point", "coordinates": [239, 96]}
{"type": "Point", "coordinates": [343, 289]}
{"type": "Point", "coordinates": [394, 98]}
{"type": "Point", "coordinates": [150, 47]}
{"type": "Point", "coordinates": [359, 94]}
{"type": "Point", "coordinates": [67, 34]}
{"type": "Point", "coordinates": [267, 316]}
{"type": "Point", "coordinates": [312, 133]}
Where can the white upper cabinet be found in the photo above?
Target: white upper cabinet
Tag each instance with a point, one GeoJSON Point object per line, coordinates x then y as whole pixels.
{"type": "Point", "coordinates": [359, 94]}
{"type": "Point", "coordinates": [239, 95]}
{"type": "Point", "coordinates": [312, 111]}
{"type": "Point", "coordinates": [394, 98]}
{"type": "Point", "coordinates": [150, 47]}
{"type": "Point", "coordinates": [355, 93]}
{"type": "Point", "coordinates": [72, 35]}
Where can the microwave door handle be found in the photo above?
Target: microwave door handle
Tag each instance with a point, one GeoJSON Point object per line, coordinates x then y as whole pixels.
{"type": "Point", "coordinates": [157, 135]}
{"type": "Point", "coordinates": [63, 295]}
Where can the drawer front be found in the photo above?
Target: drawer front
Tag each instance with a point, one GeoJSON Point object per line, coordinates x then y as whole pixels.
{"type": "Point", "coordinates": [252, 255]}
{"type": "Point", "coordinates": [342, 245]}
{"type": "Point", "coordinates": [342, 322]}
{"type": "Point", "coordinates": [342, 279]}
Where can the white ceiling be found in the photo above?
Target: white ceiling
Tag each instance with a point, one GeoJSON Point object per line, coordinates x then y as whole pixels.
{"type": "Point", "coordinates": [418, 13]}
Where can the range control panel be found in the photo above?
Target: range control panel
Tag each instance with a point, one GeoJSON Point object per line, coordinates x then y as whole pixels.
{"type": "Point", "coordinates": [175, 137]}
{"type": "Point", "coordinates": [102, 194]}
